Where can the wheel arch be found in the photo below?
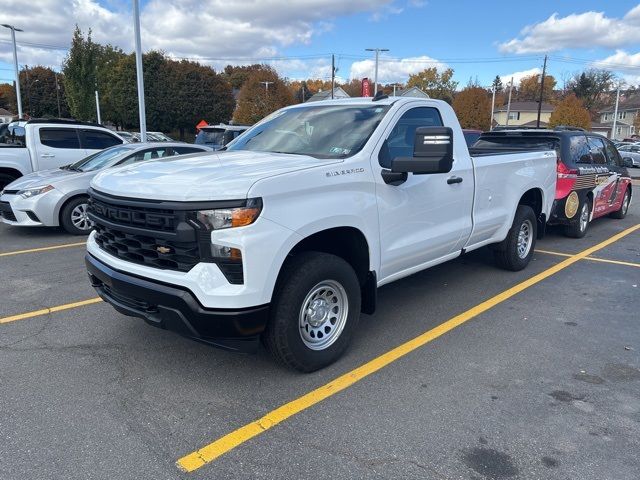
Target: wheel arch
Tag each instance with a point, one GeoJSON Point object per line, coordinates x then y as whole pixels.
{"type": "Point", "coordinates": [60, 207]}
{"type": "Point", "coordinates": [534, 198]}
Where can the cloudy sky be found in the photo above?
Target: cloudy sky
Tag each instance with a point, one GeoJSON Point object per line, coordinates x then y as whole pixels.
{"type": "Point", "coordinates": [297, 37]}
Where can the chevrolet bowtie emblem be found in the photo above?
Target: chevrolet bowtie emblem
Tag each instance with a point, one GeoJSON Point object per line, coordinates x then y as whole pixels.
{"type": "Point", "coordinates": [163, 250]}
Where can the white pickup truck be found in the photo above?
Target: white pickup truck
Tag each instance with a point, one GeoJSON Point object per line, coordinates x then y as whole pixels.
{"type": "Point", "coordinates": [288, 233]}
{"type": "Point", "coordinates": [34, 145]}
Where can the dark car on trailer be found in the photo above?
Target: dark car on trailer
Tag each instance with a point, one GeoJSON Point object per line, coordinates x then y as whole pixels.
{"type": "Point", "coordinates": [593, 180]}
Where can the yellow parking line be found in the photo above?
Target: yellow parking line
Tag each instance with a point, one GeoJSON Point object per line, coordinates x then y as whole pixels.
{"type": "Point", "coordinates": [45, 311]}
{"type": "Point", "coordinates": [210, 452]}
{"type": "Point", "coordinates": [42, 249]}
{"type": "Point", "coordinates": [593, 259]}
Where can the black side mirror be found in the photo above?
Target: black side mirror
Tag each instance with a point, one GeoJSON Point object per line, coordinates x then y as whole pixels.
{"type": "Point", "coordinates": [432, 152]}
{"type": "Point", "coordinates": [627, 162]}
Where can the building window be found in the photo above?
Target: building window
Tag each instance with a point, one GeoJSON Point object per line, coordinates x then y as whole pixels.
{"type": "Point", "coordinates": [605, 117]}
{"type": "Point", "coordinates": [514, 115]}
{"type": "Point", "coordinates": [618, 130]}
{"type": "Point", "coordinates": [622, 115]}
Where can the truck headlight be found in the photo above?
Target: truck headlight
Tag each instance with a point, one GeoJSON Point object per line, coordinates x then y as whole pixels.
{"type": "Point", "coordinates": [32, 192]}
{"type": "Point", "coordinates": [221, 218]}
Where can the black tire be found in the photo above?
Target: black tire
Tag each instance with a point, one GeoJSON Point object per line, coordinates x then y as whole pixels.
{"type": "Point", "coordinates": [66, 219]}
{"type": "Point", "coordinates": [5, 179]}
{"type": "Point", "coordinates": [507, 253]}
{"type": "Point", "coordinates": [577, 228]}
{"type": "Point", "coordinates": [624, 207]}
{"type": "Point", "coordinates": [302, 275]}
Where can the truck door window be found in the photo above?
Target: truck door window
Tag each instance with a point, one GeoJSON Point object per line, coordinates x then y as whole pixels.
{"type": "Point", "coordinates": [96, 140]}
{"type": "Point", "coordinates": [399, 143]}
{"type": "Point", "coordinates": [60, 138]}
{"type": "Point", "coordinates": [579, 150]}
{"type": "Point", "coordinates": [17, 136]}
{"type": "Point", "coordinates": [596, 145]}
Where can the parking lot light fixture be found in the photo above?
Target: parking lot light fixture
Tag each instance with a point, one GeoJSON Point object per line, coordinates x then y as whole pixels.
{"type": "Point", "coordinates": [15, 64]}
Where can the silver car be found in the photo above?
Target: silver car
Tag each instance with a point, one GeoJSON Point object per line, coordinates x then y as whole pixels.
{"type": "Point", "coordinates": [59, 196]}
{"type": "Point", "coordinates": [631, 151]}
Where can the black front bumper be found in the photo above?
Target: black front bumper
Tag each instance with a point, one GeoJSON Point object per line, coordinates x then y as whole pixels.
{"type": "Point", "coordinates": [177, 309]}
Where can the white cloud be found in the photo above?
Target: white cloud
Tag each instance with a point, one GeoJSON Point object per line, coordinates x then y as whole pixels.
{"type": "Point", "coordinates": [394, 70]}
{"type": "Point", "coordinates": [578, 30]}
{"type": "Point", "coordinates": [204, 29]}
{"type": "Point", "coordinates": [517, 76]}
{"type": "Point", "coordinates": [628, 64]}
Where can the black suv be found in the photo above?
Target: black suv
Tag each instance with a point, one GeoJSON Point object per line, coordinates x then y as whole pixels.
{"type": "Point", "coordinates": [593, 180]}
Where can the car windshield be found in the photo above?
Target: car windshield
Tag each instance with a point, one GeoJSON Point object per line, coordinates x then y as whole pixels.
{"type": "Point", "coordinates": [210, 137]}
{"type": "Point", "coordinates": [328, 131]}
{"type": "Point", "coordinates": [102, 159]}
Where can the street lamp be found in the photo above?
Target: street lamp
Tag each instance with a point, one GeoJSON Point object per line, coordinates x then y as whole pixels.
{"type": "Point", "coordinates": [15, 64]}
{"type": "Point", "coordinates": [375, 77]}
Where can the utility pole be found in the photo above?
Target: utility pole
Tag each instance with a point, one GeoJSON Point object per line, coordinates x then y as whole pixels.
{"type": "Point", "coordinates": [98, 106]}
{"type": "Point", "coordinates": [375, 77]}
{"type": "Point", "coordinates": [266, 86]}
{"type": "Point", "coordinates": [615, 114]}
{"type": "Point", "coordinates": [55, 74]}
{"type": "Point", "coordinates": [139, 75]}
{"type": "Point", "coordinates": [493, 105]}
{"type": "Point", "coordinates": [544, 71]}
{"type": "Point", "coordinates": [333, 74]}
{"type": "Point", "coordinates": [15, 65]}
{"type": "Point", "coordinates": [509, 102]}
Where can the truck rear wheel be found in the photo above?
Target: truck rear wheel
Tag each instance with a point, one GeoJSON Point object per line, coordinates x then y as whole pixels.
{"type": "Point", "coordinates": [314, 312]}
{"type": "Point", "coordinates": [515, 251]}
{"type": "Point", "coordinates": [578, 228]}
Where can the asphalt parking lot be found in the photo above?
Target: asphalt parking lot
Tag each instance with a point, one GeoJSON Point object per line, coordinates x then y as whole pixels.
{"type": "Point", "coordinates": [541, 382]}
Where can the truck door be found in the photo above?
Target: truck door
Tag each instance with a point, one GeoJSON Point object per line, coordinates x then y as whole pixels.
{"type": "Point", "coordinates": [427, 217]}
{"type": "Point", "coordinates": [57, 146]}
{"type": "Point", "coordinates": [93, 140]}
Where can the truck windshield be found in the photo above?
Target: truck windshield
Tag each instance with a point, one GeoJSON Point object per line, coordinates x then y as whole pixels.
{"type": "Point", "coordinates": [210, 137]}
{"type": "Point", "coordinates": [335, 131]}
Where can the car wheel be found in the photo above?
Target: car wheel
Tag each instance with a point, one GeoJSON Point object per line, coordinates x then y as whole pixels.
{"type": "Point", "coordinates": [314, 312]}
{"type": "Point", "coordinates": [516, 250]}
{"type": "Point", "coordinates": [73, 217]}
{"type": "Point", "coordinates": [5, 180]}
{"type": "Point", "coordinates": [624, 208]}
{"type": "Point", "coordinates": [579, 227]}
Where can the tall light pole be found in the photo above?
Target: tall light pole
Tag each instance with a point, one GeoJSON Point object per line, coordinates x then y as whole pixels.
{"type": "Point", "coordinates": [57, 94]}
{"type": "Point", "coordinates": [15, 64]}
{"type": "Point", "coordinates": [509, 102]}
{"type": "Point", "coordinates": [375, 77]}
{"type": "Point", "coordinates": [493, 105]}
{"type": "Point", "coordinates": [266, 86]}
{"type": "Point", "coordinates": [139, 77]}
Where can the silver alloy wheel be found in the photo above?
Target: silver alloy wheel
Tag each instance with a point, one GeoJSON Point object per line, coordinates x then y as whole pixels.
{"type": "Point", "coordinates": [584, 216]}
{"type": "Point", "coordinates": [525, 239]}
{"type": "Point", "coordinates": [625, 203]}
{"type": "Point", "coordinates": [79, 217]}
{"type": "Point", "coordinates": [323, 315]}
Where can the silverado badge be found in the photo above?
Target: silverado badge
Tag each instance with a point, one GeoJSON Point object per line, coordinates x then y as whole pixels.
{"type": "Point", "coordinates": [161, 249]}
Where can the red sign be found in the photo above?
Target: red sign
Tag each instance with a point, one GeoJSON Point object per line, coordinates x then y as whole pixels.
{"type": "Point", "coordinates": [366, 87]}
{"type": "Point", "coordinates": [201, 124]}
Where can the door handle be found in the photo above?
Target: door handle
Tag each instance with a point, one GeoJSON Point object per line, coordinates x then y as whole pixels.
{"type": "Point", "coordinates": [48, 155]}
{"type": "Point", "coordinates": [452, 180]}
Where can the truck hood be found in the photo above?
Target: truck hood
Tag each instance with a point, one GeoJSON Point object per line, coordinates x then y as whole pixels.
{"type": "Point", "coordinates": [215, 176]}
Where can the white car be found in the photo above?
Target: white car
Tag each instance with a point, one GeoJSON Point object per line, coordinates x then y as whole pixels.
{"type": "Point", "coordinates": [632, 152]}
{"type": "Point", "coordinates": [59, 196]}
{"type": "Point", "coordinates": [289, 232]}
{"type": "Point", "coordinates": [35, 145]}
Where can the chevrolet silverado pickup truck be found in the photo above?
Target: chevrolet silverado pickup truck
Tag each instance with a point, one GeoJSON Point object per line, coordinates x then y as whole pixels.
{"type": "Point", "coordinates": [34, 145]}
{"type": "Point", "coordinates": [287, 234]}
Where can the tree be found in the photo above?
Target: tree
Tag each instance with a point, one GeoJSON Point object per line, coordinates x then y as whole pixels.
{"type": "Point", "coordinates": [257, 101]}
{"type": "Point", "coordinates": [42, 92]}
{"type": "Point", "coordinates": [590, 86]}
{"type": "Point", "coordinates": [79, 70]}
{"type": "Point", "coordinates": [353, 88]}
{"type": "Point", "coordinates": [435, 84]}
{"type": "Point", "coordinates": [570, 111]}
{"type": "Point", "coordinates": [237, 75]}
{"type": "Point", "coordinates": [473, 107]}
{"type": "Point", "coordinates": [300, 91]}
{"type": "Point", "coordinates": [529, 88]}
{"type": "Point", "coordinates": [8, 97]}
{"type": "Point", "coordinates": [497, 84]}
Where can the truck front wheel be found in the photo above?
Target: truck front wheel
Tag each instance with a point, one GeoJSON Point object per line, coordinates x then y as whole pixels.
{"type": "Point", "coordinates": [315, 311]}
{"type": "Point", "coordinates": [515, 251]}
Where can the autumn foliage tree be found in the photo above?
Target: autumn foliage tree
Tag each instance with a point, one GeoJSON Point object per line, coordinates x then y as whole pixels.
{"type": "Point", "coordinates": [39, 97]}
{"type": "Point", "coordinates": [571, 112]}
{"type": "Point", "coordinates": [256, 100]}
{"type": "Point", "coordinates": [436, 84]}
{"type": "Point", "coordinates": [529, 88]}
{"type": "Point", "coordinates": [473, 107]}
